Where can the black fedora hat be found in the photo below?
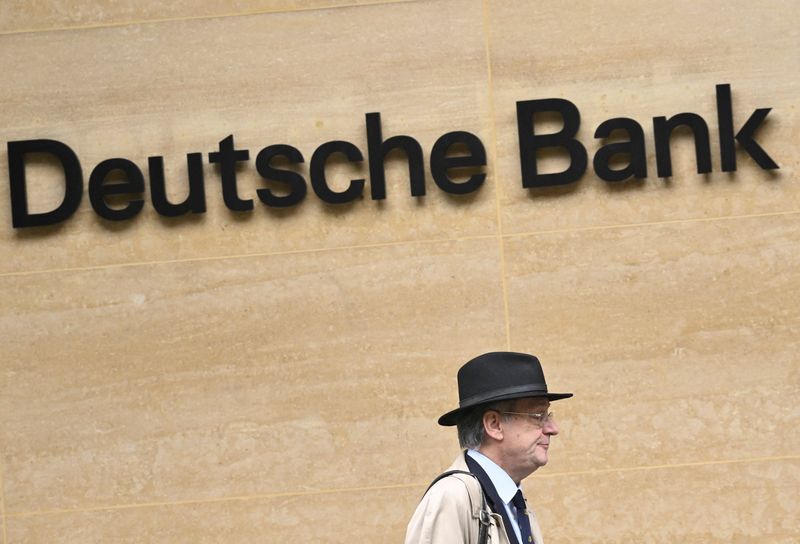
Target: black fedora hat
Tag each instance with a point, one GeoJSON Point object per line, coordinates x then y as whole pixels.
{"type": "Point", "coordinates": [499, 375]}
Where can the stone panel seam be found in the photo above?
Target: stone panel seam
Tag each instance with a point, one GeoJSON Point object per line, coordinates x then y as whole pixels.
{"type": "Point", "coordinates": [391, 244]}
{"type": "Point", "coordinates": [645, 468]}
{"type": "Point", "coordinates": [239, 498]}
{"type": "Point", "coordinates": [3, 505]}
{"type": "Point", "coordinates": [651, 224]}
{"type": "Point", "coordinates": [414, 485]}
{"type": "Point", "coordinates": [493, 153]}
{"type": "Point", "coordinates": [201, 17]}
{"type": "Point", "coordinates": [251, 255]}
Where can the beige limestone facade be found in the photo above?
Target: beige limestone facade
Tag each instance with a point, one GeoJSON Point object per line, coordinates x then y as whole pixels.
{"type": "Point", "coordinates": [276, 375]}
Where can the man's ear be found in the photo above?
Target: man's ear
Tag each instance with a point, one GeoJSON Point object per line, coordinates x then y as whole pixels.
{"type": "Point", "coordinates": [492, 426]}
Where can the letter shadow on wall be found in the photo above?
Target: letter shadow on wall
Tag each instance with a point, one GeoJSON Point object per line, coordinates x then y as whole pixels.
{"type": "Point", "coordinates": [131, 199]}
{"type": "Point", "coordinates": [338, 183]}
{"type": "Point", "coordinates": [474, 176]}
{"type": "Point", "coordinates": [552, 160]}
{"type": "Point", "coordinates": [766, 133]}
{"type": "Point", "coordinates": [239, 208]}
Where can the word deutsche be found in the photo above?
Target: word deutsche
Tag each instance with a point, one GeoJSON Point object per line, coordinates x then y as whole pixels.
{"type": "Point", "coordinates": [227, 157]}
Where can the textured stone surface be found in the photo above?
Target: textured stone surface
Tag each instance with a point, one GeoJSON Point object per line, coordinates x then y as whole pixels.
{"type": "Point", "coordinates": [31, 15]}
{"type": "Point", "coordinates": [259, 377]}
{"type": "Point", "coordinates": [679, 340]}
{"type": "Point", "coordinates": [738, 502]}
{"type": "Point", "coordinates": [240, 376]}
{"type": "Point", "coordinates": [324, 517]}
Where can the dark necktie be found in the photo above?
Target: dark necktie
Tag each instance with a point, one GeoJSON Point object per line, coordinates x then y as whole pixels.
{"type": "Point", "coordinates": [522, 518]}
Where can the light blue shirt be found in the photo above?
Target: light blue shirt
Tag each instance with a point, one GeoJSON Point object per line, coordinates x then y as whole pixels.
{"type": "Point", "coordinates": [503, 484]}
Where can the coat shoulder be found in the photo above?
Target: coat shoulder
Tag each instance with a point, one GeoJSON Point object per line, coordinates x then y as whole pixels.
{"type": "Point", "coordinates": [459, 488]}
{"type": "Point", "coordinates": [448, 512]}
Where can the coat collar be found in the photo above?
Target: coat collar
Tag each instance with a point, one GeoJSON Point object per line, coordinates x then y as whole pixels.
{"type": "Point", "coordinates": [460, 463]}
{"type": "Point", "coordinates": [503, 484]}
{"type": "Point", "coordinates": [495, 502]}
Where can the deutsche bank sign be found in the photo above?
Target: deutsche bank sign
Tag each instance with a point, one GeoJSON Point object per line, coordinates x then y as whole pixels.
{"type": "Point", "coordinates": [457, 162]}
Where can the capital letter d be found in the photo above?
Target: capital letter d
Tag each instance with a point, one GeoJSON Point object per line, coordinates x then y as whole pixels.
{"type": "Point", "coordinates": [73, 186]}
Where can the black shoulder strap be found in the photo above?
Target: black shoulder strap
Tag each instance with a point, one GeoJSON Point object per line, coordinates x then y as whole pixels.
{"type": "Point", "coordinates": [483, 519]}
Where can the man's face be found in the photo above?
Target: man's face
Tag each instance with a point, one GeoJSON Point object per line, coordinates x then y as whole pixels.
{"type": "Point", "coordinates": [525, 441]}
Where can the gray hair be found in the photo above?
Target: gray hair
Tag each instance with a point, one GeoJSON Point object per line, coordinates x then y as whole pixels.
{"type": "Point", "coordinates": [470, 426]}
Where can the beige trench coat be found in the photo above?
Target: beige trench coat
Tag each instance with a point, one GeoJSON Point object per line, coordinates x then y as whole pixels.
{"type": "Point", "coordinates": [449, 513]}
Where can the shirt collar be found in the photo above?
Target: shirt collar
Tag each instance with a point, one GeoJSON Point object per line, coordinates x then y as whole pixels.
{"type": "Point", "coordinates": [503, 484]}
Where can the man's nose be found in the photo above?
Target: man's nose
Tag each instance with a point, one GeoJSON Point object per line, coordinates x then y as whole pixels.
{"type": "Point", "coordinates": [551, 427]}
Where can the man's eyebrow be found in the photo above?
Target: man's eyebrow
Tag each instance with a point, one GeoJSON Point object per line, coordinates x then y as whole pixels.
{"type": "Point", "coordinates": [539, 407]}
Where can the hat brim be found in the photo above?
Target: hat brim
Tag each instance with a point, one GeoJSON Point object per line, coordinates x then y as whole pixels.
{"type": "Point", "coordinates": [451, 418]}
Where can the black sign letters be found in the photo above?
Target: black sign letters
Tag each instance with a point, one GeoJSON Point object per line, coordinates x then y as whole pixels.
{"type": "Point", "coordinates": [457, 163]}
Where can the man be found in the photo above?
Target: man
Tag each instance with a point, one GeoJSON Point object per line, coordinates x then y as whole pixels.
{"type": "Point", "coordinates": [505, 427]}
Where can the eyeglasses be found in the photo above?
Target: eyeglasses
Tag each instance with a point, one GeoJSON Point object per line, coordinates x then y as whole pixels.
{"type": "Point", "coordinates": [540, 418]}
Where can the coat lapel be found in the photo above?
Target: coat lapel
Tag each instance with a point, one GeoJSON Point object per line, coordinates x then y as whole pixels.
{"type": "Point", "coordinates": [492, 498]}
